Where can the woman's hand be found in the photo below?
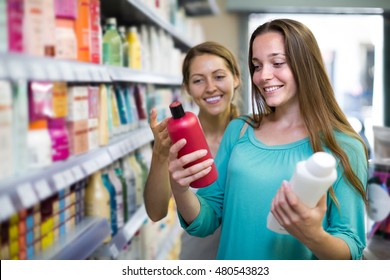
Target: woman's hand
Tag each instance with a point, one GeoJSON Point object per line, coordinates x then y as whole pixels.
{"type": "Point", "coordinates": [162, 141]}
{"type": "Point", "coordinates": [300, 221]}
{"type": "Point", "coordinates": [181, 177]}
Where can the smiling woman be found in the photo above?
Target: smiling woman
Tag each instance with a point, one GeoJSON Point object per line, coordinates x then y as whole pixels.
{"type": "Point", "coordinates": [211, 77]}
{"type": "Point", "coordinates": [297, 116]}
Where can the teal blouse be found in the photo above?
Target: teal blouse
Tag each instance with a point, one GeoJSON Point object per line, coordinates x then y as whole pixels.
{"type": "Point", "coordinates": [250, 174]}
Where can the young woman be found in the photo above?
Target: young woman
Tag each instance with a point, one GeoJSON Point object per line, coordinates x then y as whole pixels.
{"type": "Point", "coordinates": [211, 77]}
{"type": "Point", "coordinates": [296, 114]}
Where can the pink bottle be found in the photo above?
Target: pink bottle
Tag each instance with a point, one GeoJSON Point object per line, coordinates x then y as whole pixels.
{"type": "Point", "coordinates": [186, 125]}
{"type": "Point", "coordinates": [59, 138]}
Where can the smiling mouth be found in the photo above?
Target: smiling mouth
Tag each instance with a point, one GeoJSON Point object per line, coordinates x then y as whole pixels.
{"type": "Point", "coordinates": [213, 99]}
{"type": "Point", "coordinates": [271, 89]}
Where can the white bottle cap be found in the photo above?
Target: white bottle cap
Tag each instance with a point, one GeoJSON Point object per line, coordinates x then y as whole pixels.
{"type": "Point", "coordinates": [111, 21]}
{"type": "Point", "coordinates": [321, 164]}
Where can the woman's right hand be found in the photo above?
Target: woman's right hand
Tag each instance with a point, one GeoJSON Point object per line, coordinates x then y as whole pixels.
{"type": "Point", "coordinates": [162, 141]}
{"type": "Point", "coordinates": [181, 176]}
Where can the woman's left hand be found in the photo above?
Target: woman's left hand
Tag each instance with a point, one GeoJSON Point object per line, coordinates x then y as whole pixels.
{"type": "Point", "coordinates": [300, 221]}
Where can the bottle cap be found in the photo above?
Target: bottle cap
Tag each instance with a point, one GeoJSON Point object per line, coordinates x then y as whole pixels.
{"type": "Point", "coordinates": [177, 110]}
{"type": "Point", "coordinates": [38, 124]}
{"type": "Point", "coordinates": [321, 164]}
{"type": "Point", "coordinates": [111, 21]}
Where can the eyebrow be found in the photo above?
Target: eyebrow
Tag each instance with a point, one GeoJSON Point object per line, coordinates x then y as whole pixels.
{"type": "Point", "coordinates": [216, 71]}
{"type": "Point", "coordinates": [270, 55]}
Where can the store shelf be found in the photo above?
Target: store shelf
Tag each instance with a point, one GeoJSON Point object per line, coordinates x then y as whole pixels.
{"type": "Point", "coordinates": [15, 66]}
{"type": "Point", "coordinates": [137, 12]}
{"type": "Point", "coordinates": [167, 244]}
{"type": "Point", "coordinates": [121, 74]}
{"type": "Point", "coordinates": [22, 192]}
{"type": "Point", "coordinates": [118, 242]}
{"type": "Point", "coordinates": [79, 243]}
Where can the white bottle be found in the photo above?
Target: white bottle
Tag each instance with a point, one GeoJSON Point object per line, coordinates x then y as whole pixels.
{"type": "Point", "coordinates": [311, 179]}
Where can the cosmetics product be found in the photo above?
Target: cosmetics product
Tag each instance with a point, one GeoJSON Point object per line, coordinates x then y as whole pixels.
{"type": "Point", "coordinates": [186, 125]}
{"type": "Point", "coordinates": [310, 181]}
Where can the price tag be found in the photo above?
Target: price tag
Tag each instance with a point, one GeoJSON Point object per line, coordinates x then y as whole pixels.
{"type": "Point", "coordinates": [95, 74]}
{"type": "Point", "coordinates": [106, 77]}
{"type": "Point", "coordinates": [16, 68]}
{"type": "Point", "coordinates": [104, 159]}
{"type": "Point", "coordinates": [68, 176]}
{"type": "Point", "coordinates": [66, 71]}
{"type": "Point", "coordinates": [27, 195]}
{"type": "Point", "coordinates": [114, 251]}
{"type": "Point", "coordinates": [59, 181]}
{"type": "Point", "coordinates": [42, 188]}
{"type": "Point", "coordinates": [37, 70]}
{"type": "Point", "coordinates": [6, 207]}
{"type": "Point", "coordinates": [3, 71]}
{"type": "Point", "coordinates": [82, 73]}
{"type": "Point", "coordinates": [114, 152]}
{"type": "Point", "coordinates": [53, 72]}
{"type": "Point", "coordinates": [77, 173]}
{"type": "Point", "coordinates": [90, 166]}
{"type": "Point", "coordinates": [124, 148]}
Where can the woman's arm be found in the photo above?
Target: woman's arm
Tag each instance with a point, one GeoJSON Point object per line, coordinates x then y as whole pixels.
{"type": "Point", "coordinates": [157, 190]}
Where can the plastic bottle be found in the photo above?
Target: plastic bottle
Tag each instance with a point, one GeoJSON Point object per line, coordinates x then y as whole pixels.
{"type": "Point", "coordinates": [186, 125]}
{"type": "Point", "coordinates": [113, 204]}
{"type": "Point", "coordinates": [125, 45]}
{"type": "Point", "coordinates": [311, 179]}
{"type": "Point", "coordinates": [134, 48]}
{"type": "Point", "coordinates": [39, 144]}
{"type": "Point", "coordinates": [112, 44]}
{"type": "Point", "coordinates": [97, 199]}
{"type": "Point", "coordinates": [59, 139]}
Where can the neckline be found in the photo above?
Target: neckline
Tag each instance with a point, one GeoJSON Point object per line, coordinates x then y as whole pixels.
{"type": "Point", "coordinates": [260, 144]}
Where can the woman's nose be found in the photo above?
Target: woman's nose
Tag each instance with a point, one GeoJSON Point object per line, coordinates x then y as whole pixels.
{"type": "Point", "coordinates": [266, 74]}
{"type": "Point", "coordinates": [210, 86]}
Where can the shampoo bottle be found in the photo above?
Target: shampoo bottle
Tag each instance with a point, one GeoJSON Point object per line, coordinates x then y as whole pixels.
{"type": "Point", "coordinates": [311, 179]}
{"type": "Point", "coordinates": [186, 125]}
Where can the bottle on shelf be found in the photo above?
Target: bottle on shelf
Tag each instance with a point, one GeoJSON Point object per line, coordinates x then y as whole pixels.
{"type": "Point", "coordinates": [112, 44]}
{"type": "Point", "coordinates": [311, 179]}
{"type": "Point", "coordinates": [125, 45]}
{"type": "Point", "coordinates": [135, 55]}
{"type": "Point", "coordinates": [39, 144]}
{"type": "Point", "coordinates": [186, 125]}
{"type": "Point", "coordinates": [97, 199]}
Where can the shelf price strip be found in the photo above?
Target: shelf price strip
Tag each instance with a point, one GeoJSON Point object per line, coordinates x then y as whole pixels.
{"type": "Point", "coordinates": [6, 207]}
{"type": "Point", "coordinates": [27, 195]}
{"type": "Point", "coordinates": [42, 188]}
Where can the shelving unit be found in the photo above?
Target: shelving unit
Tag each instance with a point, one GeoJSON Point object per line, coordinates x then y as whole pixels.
{"type": "Point", "coordinates": [24, 67]}
{"type": "Point", "coordinates": [26, 190]}
{"type": "Point", "coordinates": [137, 12]}
{"type": "Point", "coordinates": [111, 250]}
{"type": "Point", "coordinates": [80, 243]}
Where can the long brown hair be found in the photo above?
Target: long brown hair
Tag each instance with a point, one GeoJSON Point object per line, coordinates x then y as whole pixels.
{"type": "Point", "coordinates": [319, 109]}
{"type": "Point", "coordinates": [216, 49]}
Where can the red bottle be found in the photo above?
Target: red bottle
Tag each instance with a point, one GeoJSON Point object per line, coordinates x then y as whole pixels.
{"type": "Point", "coordinates": [186, 125]}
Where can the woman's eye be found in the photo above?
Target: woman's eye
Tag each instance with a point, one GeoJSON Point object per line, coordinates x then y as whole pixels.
{"type": "Point", "coordinates": [279, 64]}
{"type": "Point", "coordinates": [196, 81]}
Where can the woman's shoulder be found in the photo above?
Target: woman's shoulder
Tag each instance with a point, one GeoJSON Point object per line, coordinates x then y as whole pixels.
{"type": "Point", "coordinates": [237, 123]}
{"type": "Point", "coordinates": [348, 142]}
